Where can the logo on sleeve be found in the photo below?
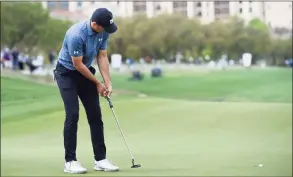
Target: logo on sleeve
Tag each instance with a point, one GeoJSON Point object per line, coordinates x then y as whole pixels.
{"type": "Point", "coordinates": [75, 52]}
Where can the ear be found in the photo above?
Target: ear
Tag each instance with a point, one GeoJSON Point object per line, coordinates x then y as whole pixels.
{"type": "Point", "coordinates": [93, 23]}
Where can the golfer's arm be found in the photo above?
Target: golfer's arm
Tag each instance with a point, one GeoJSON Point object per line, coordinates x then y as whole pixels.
{"type": "Point", "coordinates": [103, 63]}
{"type": "Point", "coordinates": [78, 64]}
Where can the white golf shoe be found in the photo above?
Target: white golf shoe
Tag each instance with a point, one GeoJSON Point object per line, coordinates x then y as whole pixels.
{"type": "Point", "coordinates": [74, 167]}
{"type": "Point", "coordinates": [105, 165]}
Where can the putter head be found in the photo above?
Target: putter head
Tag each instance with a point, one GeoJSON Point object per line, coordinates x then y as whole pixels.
{"type": "Point", "coordinates": [135, 166]}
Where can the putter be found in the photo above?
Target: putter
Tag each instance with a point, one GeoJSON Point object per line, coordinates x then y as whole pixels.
{"type": "Point", "coordinates": [111, 106]}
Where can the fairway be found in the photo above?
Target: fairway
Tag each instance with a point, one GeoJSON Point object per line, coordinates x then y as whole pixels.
{"type": "Point", "coordinates": [171, 132]}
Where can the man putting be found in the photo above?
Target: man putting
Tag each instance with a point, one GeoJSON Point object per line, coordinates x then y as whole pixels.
{"type": "Point", "coordinates": [75, 78]}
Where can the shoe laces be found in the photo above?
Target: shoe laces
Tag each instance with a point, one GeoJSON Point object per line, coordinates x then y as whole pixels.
{"type": "Point", "coordinates": [109, 162]}
{"type": "Point", "coordinates": [75, 164]}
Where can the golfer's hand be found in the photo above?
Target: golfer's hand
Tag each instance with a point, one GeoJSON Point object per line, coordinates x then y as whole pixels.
{"type": "Point", "coordinates": [109, 89]}
{"type": "Point", "coordinates": [101, 88]}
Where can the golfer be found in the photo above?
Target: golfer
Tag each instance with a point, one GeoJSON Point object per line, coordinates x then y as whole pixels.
{"type": "Point", "coordinates": [75, 78]}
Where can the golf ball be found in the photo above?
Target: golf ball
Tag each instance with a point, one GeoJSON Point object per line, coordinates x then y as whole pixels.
{"type": "Point", "coordinates": [260, 165]}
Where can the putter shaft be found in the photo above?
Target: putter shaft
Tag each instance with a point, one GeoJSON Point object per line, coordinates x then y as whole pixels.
{"type": "Point", "coordinates": [111, 106]}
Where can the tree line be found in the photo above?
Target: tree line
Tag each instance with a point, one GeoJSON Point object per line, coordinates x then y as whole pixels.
{"type": "Point", "coordinates": [165, 35]}
{"type": "Point", "coordinates": [159, 37]}
{"type": "Point", "coordinates": [29, 27]}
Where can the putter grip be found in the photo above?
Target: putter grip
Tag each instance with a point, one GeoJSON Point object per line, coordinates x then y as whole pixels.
{"type": "Point", "coordinates": [110, 102]}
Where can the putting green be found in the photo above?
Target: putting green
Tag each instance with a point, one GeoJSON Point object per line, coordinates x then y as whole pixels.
{"type": "Point", "coordinates": [168, 137]}
{"type": "Point", "coordinates": [169, 132]}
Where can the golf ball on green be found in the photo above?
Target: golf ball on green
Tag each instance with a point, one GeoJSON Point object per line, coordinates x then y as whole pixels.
{"type": "Point", "coordinates": [260, 165]}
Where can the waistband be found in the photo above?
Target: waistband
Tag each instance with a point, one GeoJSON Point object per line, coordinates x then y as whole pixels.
{"type": "Point", "coordinates": [65, 71]}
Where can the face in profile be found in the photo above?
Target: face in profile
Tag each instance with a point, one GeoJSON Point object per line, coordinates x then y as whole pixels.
{"type": "Point", "coordinates": [97, 28]}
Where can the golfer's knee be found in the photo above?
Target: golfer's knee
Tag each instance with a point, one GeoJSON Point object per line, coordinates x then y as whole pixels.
{"type": "Point", "coordinates": [72, 117]}
{"type": "Point", "coordinates": [95, 117]}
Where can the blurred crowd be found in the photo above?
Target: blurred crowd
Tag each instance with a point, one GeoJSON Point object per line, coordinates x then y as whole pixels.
{"type": "Point", "coordinates": [20, 61]}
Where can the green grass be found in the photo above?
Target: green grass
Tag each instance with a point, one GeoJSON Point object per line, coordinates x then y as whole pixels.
{"type": "Point", "coordinates": [169, 132]}
{"type": "Point", "coordinates": [268, 85]}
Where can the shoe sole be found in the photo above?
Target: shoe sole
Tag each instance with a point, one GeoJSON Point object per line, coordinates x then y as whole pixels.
{"type": "Point", "coordinates": [107, 170]}
{"type": "Point", "coordinates": [74, 172]}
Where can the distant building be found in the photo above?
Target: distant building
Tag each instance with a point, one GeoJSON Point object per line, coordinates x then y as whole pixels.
{"type": "Point", "coordinates": [275, 14]}
{"type": "Point", "coordinates": [278, 14]}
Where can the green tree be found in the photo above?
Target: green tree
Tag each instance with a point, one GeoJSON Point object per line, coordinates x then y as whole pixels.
{"type": "Point", "coordinates": [260, 39]}
{"type": "Point", "coordinates": [258, 24]}
{"type": "Point", "coordinates": [53, 34]}
{"type": "Point", "coordinates": [23, 23]}
{"type": "Point", "coordinates": [138, 36]}
{"type": "Point", "coordinates": [281, 50]}
{"type": "Point", "coordinates": [34, 30]}
{"type": "Point", "coordinates": [217, 37]}
{"type": "Point", "coordinates": [207, 51]}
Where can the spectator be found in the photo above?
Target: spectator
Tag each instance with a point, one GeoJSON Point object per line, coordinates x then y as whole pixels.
{"type": "Point", "coordinates": [51, 57]}
{"type": "Point", "coordinates": [15, 55]}
{"type": "Point", "coordinates": [21, 61]}
{"type": "Point", "coordinates": [29, 63]}
{"type": "Point", "coordinates": [6, 58]}
{"type": "Point", "coordinates": [1, 59]}
{"type": "Point", "coordinates": [289, 62]}
{"type": "Point", "coordinates": [35, 63]}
